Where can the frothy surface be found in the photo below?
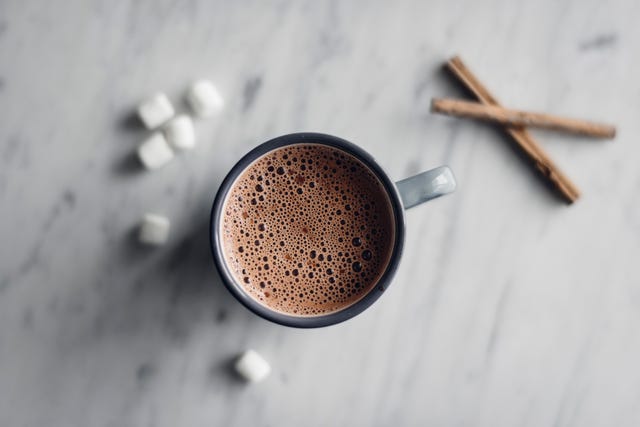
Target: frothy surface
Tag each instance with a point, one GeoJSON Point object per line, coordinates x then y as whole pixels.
{"type": "Point", "coordinates": [307, 229]}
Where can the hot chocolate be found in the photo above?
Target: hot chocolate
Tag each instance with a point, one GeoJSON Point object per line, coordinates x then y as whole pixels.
{"type": "Point", "coordinates": [307, 229]}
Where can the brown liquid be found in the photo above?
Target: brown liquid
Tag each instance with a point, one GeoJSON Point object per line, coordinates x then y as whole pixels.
{"type": "Point", "coordinates": [307, 229]}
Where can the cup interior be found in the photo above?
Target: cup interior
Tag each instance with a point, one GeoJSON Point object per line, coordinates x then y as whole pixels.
{"type": "Point", "coordinates": [289, 319]}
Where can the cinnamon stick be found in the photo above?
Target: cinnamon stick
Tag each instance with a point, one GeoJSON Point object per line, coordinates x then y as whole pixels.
{"type": "Point", "coordinates": [497, 114]}
{"type": "Point", "coordinates": [520, 136]}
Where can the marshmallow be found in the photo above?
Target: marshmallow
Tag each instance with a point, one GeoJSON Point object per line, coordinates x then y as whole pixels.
{"type": "Point", "coordinates": [155, 152]}
{"type": "Point", "coordinates": [179, 133]}
{"type": "Point", "coordinates": [155, 110]}
{"type": "Point", "coordinates": [154, 229]}
{"type": "Point", "coordinates": [204, 98]}
{"type": "Point", "coordinates": [252, 367]}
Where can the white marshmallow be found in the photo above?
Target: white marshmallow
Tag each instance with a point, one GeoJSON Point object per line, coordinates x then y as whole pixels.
{"type": "Point", "coordinates": [204, 98]}
{"type": "Point", "coordinates": [154, 229]}
{"type": "Point", "coordinates": [155, 152]}
{"type": "Point", "coordinates": [155, 110]}
{"type": "Point", "coordinates": [252, 367]}
{"type": "Point", "coordinates": [179, 133]}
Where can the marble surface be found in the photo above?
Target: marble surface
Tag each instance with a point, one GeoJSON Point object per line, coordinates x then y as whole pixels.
{"type": "Point", "coordinates": [509, 308]}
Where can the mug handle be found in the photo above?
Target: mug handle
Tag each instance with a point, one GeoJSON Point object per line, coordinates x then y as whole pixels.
{"type": "Point", "coordinates": [425, 186]}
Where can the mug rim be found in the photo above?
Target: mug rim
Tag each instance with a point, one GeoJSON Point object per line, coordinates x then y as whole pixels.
{"type": "Point", "coordinates": [263, 311]}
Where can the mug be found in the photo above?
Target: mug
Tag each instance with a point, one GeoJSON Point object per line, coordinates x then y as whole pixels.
{"type": "Point", "coordinates": [403, 195]}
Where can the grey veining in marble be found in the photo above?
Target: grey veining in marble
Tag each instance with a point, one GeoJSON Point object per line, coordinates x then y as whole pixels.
{"type": "Point", "coordinates": [509, 308]}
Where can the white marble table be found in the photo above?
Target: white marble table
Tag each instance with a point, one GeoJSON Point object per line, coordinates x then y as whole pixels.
{"type": "Point", "coordinates": [509, 309]}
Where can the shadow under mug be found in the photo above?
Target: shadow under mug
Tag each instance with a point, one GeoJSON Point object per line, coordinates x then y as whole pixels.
{"type": "Point", "coordinates": [403, 195]}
